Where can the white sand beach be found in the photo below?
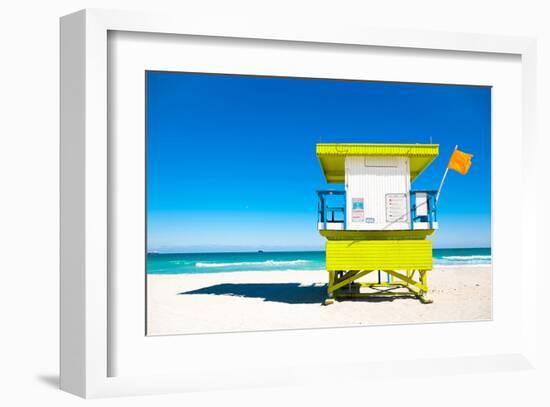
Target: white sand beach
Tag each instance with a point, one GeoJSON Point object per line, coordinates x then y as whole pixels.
{"type": "Point", "coordinates": [247, 301]}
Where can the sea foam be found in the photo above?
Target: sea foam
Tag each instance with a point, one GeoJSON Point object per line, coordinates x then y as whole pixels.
{"type": "Point", "coordinates": [473, 257]}
{"type": "Point", "coordinates": [253, 263]}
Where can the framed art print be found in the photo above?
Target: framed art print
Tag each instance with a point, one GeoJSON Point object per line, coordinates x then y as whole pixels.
{"type": "Point", "coordinates": [294, 196]}
{"type": "Point", "coordinates": [230, 227]}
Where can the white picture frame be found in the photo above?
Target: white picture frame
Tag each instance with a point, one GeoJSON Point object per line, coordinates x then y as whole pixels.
{"type": "Point", "coordinates": [85, 186]}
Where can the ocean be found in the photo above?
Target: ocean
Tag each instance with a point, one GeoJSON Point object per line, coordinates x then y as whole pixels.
{"type": "Point", "coordinates": [196, 263]}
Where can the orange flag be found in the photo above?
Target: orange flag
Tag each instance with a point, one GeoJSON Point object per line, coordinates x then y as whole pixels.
{"type": "Point", "coordinates": [460, 162]}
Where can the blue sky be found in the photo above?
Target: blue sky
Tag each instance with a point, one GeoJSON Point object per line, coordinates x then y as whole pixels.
{"type": "Point", "coordinates": [231, 161]}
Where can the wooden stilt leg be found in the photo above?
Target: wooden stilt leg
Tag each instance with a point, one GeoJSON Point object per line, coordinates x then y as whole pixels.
{"type": "Point", "coordinates": [424, 281]}
{"type": "Point", "coordinates": [331, 278]}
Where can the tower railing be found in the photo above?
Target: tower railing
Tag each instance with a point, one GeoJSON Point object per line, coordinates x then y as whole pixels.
{"type": "Point", "coordinates": [331, 208]}
{"type": "Point", "coordinates": [423, 207]}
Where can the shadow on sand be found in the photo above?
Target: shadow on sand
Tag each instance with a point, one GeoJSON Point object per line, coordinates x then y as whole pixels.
{"type": "Point", "coordinates": [288, 293]}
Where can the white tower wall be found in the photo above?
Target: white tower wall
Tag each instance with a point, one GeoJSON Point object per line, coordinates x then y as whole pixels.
{"type": "Point", "coordinates": [377, 193]}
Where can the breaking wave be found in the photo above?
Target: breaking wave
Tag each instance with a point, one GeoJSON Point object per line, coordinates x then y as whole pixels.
{"type": "Point", "coordinates": [466, 258]}
{"type": "Point", "coordinates": [252, 263]}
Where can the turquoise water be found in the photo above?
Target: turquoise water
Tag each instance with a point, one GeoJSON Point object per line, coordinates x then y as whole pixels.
{"type": "Point", "coordinates": [195, 263]}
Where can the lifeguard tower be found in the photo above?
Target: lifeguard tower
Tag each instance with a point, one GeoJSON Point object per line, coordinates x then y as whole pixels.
{"type": "Point", "coordinates": [376, 226]}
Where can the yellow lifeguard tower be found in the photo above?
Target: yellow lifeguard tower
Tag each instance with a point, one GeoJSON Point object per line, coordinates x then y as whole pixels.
{"type": "Point", "coordinates": [376, 227]}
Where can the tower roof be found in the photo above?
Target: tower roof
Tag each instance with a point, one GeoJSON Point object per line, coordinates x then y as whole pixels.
{"type": "Point", "coordinates": [332, 156]}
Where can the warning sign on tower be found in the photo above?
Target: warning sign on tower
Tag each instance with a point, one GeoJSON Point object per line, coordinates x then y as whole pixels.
{"type": "Point", "coordinates": [397, 209]}
{"type": "Point", "coordinates": [357, 209]}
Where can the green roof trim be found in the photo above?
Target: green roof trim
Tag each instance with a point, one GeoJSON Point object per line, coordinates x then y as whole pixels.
{"type": "Point", "coordinates": [332, 156]}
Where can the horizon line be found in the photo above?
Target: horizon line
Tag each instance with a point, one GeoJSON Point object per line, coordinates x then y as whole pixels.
{"type": "Point", "coordinates": [289, 251]}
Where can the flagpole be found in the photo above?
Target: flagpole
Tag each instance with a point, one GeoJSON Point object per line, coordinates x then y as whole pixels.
{"type": "Point", "coordinates": [443, 179]}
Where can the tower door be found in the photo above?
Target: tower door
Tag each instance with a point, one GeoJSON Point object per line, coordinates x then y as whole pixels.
{"type": "Point", "coordinates": [377, 193]}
